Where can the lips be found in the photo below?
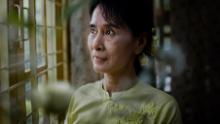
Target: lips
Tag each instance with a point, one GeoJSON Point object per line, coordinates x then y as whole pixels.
{"type": "Point", "coordinates": [99, 60]}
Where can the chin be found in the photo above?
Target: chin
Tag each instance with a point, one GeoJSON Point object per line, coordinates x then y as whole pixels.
{"type": "Point", "coordinates": [99, 70]}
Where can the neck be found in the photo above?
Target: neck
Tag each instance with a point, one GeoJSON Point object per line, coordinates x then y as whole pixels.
{"type": "Point", "coordinates": [120, 81]}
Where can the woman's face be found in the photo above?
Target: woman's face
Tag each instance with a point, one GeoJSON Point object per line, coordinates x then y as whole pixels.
{"type": "Point", "coordinates": [112, 48]}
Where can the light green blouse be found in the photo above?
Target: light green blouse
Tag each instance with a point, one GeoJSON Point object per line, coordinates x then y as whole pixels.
{"type": "Point", "coordinates": [141, 104]}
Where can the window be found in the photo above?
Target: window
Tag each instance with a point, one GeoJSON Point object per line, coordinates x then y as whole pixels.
{"type": "Point", "coordinates": [4, 71]}
{"type": "Point", "coordinates": [32, 51]}
{"type": "Point", "coordinates": [163, 34]}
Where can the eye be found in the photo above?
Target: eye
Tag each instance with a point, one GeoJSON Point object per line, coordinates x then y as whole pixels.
{"type": "Point", "coordinates": [109, 32]}
{"type": "Point", "coordinates": [92, 30]}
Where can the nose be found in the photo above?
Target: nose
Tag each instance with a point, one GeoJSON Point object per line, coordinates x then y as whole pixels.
{"type": "Point", "coordinates": [98, 44]}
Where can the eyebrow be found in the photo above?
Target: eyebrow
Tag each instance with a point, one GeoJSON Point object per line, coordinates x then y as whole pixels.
{"type": "Point", "coordinates": [112, 25]}
{"type": "Point", "coordinates": [92, 25]}
{"type": "Point", "coordinates": [106, 25]}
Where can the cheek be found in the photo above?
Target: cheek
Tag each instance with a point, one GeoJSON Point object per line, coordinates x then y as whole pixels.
{"type": "Point", "coordinates": [89, 43]}
{"type": "Point", "coordinates": [126, 47]}
{"type": "Point", "coordinates": [122, 53]}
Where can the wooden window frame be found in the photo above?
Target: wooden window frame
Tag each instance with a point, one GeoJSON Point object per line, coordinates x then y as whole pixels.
{"type": "Point", "coordinates": [15, 76]}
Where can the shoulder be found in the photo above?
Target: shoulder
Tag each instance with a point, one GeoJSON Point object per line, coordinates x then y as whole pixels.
{"type": "Point", "coordinates": [90, 85]}
{"type": "Point", "coordinates": [157, 97]}
{"type": "Point", "coordinates": [85, 93]}
{"type": "Point", "coordinates": [88, 89]}
{"type": "Point", "coordinates": [165, 106]}
{"type": "Point", "coordinates": [168, 111]}
{"type": "Point", "coordinates": [155, 94]}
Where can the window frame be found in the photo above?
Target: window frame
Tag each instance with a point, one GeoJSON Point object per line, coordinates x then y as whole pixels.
{"type": "Point", "coordinates": [15, 76]}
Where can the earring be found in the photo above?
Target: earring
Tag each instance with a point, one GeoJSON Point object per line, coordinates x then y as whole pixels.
{"type": "Point", "coordinates": [143, 59]}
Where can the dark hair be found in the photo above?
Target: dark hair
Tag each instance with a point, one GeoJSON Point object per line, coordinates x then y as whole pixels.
{"type": "Point", "coordinates": [137, 15]}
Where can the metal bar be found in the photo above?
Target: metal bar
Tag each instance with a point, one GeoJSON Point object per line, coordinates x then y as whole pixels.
{"type": "Point", "coordinates": [45, 26]}
{"type": "Point", "coordinates": [15, 86]}
{"type": "Point", "coordinates": [46, 70]}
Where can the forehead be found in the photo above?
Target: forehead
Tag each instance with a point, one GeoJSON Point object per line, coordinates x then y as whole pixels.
{"type": "Point", "coordinates": [97, 17]}
{"type": "Point", "coordinates": [98, 20]}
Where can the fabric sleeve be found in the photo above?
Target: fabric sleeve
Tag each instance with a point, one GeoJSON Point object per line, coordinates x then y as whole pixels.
{"type": "Point", "coordinates": [170, 114]}
{"type": "Point", "coordinates": [70, 112]}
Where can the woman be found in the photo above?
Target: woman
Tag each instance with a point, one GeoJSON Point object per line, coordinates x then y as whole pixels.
{"type": "Point", "coordinates": [120, 32]}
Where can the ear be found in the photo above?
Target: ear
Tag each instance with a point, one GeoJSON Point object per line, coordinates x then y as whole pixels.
{"type": "Point", "coordinates": [140, 43]}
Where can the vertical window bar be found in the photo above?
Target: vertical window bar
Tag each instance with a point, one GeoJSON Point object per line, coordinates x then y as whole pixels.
{"type": "Point", "coordinates": [33, 54]}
